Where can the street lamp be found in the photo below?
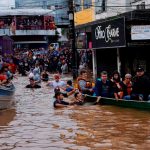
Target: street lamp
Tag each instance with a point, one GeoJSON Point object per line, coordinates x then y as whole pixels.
{"type": "Point", "coordinates": [73, 40]}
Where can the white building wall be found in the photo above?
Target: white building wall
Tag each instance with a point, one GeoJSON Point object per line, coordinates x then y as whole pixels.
{"type": "Point", "coordinates": [134, 3]}
{"type": "Point", "coordinates": [7, 4]}
{"type": "Point", "coordinates": [28, 32]}
{"type": "Point", "coordinates": [113, 8]}
{"type": "Point", "coordinates": [120, 6]}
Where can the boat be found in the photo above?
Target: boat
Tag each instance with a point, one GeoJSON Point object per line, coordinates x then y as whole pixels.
{"type": "Point", "coordinates": [6, 96]}
{"type": "Point", "coordinates": [143, 105]}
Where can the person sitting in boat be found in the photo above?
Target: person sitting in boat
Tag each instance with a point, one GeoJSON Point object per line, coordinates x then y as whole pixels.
{"type": "Point", "coordinates": [116, 79]}
{"type": "Point", "coordinates": [8, 73]}
{"type": "Point", "coordinates": [33, 84]}
{"type": "Point", "coordinates": [57, 83]}
{"type": "Point", "coordinates": [103, 86]}
{"type": "Point", "coordinates": [12, 67]}
{"type": "Point", "coordinates": [69, 89]}
{"type": "Point", "coordinates": [82, 83]}
{"type": "Point", "coordinates": [88, 85]}
{"type": "Point", "coordinates": [141, 85]}
{"type": "Point", "coordinates": [126, 86]}
{"type": "Point", "coordinates": [59, 102]}
{"type": "Point", "coordinates": [3, 77]}
{"type": "Point", "coordinates": [44, 76]}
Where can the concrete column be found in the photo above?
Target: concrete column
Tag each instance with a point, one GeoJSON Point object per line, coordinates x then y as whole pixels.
{"type": "Point", "coordinates": [118, 61]}
{"type": "Point", "coordinates": [94, 64]}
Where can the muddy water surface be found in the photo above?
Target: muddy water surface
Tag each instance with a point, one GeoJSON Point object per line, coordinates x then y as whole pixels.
{"type": "Point", "coordinates": [33, 124]}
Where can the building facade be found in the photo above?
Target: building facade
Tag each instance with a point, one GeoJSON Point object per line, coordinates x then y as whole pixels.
{"type": "Point", "coordinates": [7, 4]}
{"type": "Point", "coordinates": [120, 35]}
{"type": "Point", "coordinates": [84, 11]}
{"type": "Point", "coordinates": [59, 7]}
{"type": "Point", "coordinates": [129, 56]}
{"type": "Point", "coordinates": [6, 48]}
{"type": "Point", "coordinates": [109, 8]}
{"type": "Point", "coordinates": [29, 28]}
{"type": "Point", "coordinates": [30, 23]}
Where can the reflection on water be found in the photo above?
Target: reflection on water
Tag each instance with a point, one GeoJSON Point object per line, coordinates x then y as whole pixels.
{"type": "Point", "coordinates": [112, 128]}
{"type": "Point", "coordinates": [6, 116]}
{"type": "Point", "coordinates": [35, 125]}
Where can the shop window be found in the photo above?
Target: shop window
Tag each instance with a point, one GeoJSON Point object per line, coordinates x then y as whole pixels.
{"type": "Point", "coordinates": [103, 5]}
{"type": "Point", "coordinates": [100, 6]}
{"type": "Point", "coordinates": [87, 4]}
{"type": "Point", "coordinates": [78, 5]}
{"type": "Point", "coordinates": [140, 6]}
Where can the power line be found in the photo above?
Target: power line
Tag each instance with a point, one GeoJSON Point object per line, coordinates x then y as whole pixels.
{"type": "Point", "coordinates": [77, 5]}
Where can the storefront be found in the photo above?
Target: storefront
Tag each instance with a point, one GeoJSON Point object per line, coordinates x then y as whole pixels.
{"type": "Point", "coordinates": [107, 39]}
{"type": "Point", "coordinates": [136, 53]}
{"type": "Point", "coordinates": [121, 42]}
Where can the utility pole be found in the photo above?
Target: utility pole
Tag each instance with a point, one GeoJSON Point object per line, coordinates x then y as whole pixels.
{"type": "Point", "coordinates": [73, 39]}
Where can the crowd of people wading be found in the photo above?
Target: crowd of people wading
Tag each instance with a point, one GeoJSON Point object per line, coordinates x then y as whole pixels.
{"type": "Point", "coordinates": [40, 65]}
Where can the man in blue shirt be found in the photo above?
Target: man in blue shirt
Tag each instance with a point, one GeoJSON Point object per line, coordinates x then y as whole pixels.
{"type": "Point", "coordinates": [103, 86]}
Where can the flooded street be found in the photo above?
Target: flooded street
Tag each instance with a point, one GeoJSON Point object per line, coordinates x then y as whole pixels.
{"type": "Point", "coordinates": [33, 124]}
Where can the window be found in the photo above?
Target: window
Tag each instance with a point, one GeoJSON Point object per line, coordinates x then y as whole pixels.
{"type": "Point", "coordinates": [87, 4]}
{"type": "Point", "coordinates": [141, 6]}
{"type": "Point", "coordinates": [100, 6]}
{"type": "Point", "coordinates": [103, 5]}
{"type": "Point", "coordinates": [134, 1]}
{"type": "Point", "coordinates": [78, 5]}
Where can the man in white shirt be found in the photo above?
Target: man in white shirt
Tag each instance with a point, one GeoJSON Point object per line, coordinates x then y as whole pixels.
{"type": "Point", "coordinates": [57, 83]}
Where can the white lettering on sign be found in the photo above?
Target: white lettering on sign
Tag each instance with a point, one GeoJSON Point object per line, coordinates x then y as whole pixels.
{"type": "Point", "coordinates": [106, 34]}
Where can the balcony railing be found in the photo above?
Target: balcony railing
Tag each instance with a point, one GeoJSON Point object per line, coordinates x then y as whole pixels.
{"type": "Point", "coordinates": [51, 26]}
{"type": "Point", "coordinates": [35, 32]}
{"type": "Point", "coordinates": [27, 31]}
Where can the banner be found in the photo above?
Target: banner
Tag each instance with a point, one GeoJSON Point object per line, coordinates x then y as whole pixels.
{"type": "Point", "coordinates": [140, 32]}
{"type": "Point", "coordinates": [109, 34]}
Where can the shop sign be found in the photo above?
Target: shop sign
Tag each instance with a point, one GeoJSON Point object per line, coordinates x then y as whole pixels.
{"type": "Point", "coordinates": [109, 34]}
{"type": "Point", "coordinates": [140, 32]}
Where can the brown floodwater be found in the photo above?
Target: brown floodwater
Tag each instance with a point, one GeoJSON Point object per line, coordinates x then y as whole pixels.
{"type": "Point", "coordinates": [33, 124]}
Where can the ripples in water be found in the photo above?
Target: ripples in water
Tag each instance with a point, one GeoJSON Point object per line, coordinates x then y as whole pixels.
{"type": "Point", "coordinates": [35, 125]}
